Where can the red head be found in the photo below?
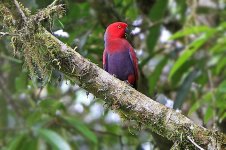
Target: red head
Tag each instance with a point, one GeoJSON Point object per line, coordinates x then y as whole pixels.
{"type": "Point", "coordinates": [115, 30]}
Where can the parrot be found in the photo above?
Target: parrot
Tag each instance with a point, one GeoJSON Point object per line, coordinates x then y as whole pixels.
{"type": "Point", "coordinates": [119, 57]}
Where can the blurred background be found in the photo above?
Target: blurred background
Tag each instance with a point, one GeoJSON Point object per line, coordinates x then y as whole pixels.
{"type": "Point", "coordinates": [181, 50]}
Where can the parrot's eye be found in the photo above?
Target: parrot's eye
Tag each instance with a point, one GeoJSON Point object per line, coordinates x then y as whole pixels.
{"type": "Point", "coordinates": [119, 27]}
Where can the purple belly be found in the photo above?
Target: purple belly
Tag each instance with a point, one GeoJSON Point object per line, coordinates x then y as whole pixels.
{"type": "Point", "coordinates": [120, 65]}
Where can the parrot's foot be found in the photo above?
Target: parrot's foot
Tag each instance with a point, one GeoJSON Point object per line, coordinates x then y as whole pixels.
{"type": "Point", "coordinates": [128, 83]}
{"type": "Point", "coordinates": [114, 75]}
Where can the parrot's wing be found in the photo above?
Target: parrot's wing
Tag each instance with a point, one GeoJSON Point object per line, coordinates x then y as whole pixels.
{"type": "Point", "coordinates": [105, 60]}
{"type": "Point", "coordinates": [134, 61]}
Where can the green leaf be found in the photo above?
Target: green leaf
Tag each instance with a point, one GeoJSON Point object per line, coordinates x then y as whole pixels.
{"type": "Point", "coordinates": [220, 104]}
{"type": "Point", "coordinates": [222, 87]}
{"type": "Point", "coordinates": [191, 30]}
{"type": "Point", "coordinates": [34, 117]}
{"type": "Point", "coordinates": [28, 143]}
{"type": "Point", "coordinates": [154, 77]}
{"type": "Point", "coordinates": [61, 24]}
{"type": "Point", "coordinates": [222, 26]}
{"type": "Point", "coordinates": [219, 45]}
{"type": "Point", "coordinates": [221, 65]}
{"type": "Point", "coordinates": [178, 76]}
{"type": "Point", "coordinates": [194, 107]}
{"type": "Point", "coordinates": [4, 115]}
{"type": "Point", "coordinates": [23, 142]}
{"type": "Point", "coordinates": [184, 89]}
{"type": "Point", "coordinates": [208, 115]}
{"type": "Point", "coordinates": [54, 139]}
{"type": "Point", "coordinates": [49, 105]}
{"type": "Point", "coordinates": [187, 53]}
{"type": "Point", "coordinates": [181, 9]}
{"type": "Point", "coordinates": [222, 117]}
{"type": "Point", "coordinates": [82, 128]}
{"type": "Point", "coordinates": [152, 38]}
{"type": "Point", "coordinates": [131, 11]}
{"type": "Point", "coordinates": [155, 15]}
{"type": "Point", "coordinates": [21, 82]}
{"type": "Point", "coordinates": [16, 142]}
{"type": "Point", "coordinates": [207, 97]}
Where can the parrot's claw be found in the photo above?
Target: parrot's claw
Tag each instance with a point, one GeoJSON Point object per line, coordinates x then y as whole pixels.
{"type": "Point", "coordinates": [114, 75]}
{"type": "Point", "coordinates": [128, 83]}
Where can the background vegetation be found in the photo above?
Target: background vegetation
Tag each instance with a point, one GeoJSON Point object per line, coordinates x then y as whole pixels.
{"type": "Point", "coordinates": [181, 50]}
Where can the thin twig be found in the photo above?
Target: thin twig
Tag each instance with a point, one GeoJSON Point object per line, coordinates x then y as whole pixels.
{"type": "Point", "coordinates": [8, 96]}
{"type": "Point", "coordinates": [7, 129]}
{"type": "Point", "coordinates": [121, 142]}
{"type": "Point", "coordinates": [105, 132]}
{"type": "Point", "coordinates": [3, 56]}
{"type": "Point", "coordinates": [7, 34]}
{"type": "Point", "coordinates": [53, 3]}
{"type": "Point", "coordinates": [193, 142]}
{"type": "Point", "coordinates": [20, 10]}
{"type": "Point", "coordinates": [49, 11]}
{"type": "Point", "coordinates": [176, 146]}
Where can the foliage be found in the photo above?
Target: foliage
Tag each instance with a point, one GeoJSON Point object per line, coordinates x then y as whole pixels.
{"type": "Point", "coordinates": [181, 50]}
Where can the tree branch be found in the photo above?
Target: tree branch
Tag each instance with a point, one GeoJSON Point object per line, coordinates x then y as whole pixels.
{"type": "Point", "coordinates": [118, 95]}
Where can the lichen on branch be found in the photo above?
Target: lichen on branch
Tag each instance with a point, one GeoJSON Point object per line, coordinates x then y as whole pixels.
{"type": "Point", "coordinates": [28, 39]}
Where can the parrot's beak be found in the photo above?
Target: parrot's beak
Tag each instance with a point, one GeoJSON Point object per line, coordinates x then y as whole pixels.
{"type": "Point", "coordinates": [127, 32]}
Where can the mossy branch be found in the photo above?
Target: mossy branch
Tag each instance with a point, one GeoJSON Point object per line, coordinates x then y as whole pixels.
{"type": "Point", "coordinates": [44, 51]}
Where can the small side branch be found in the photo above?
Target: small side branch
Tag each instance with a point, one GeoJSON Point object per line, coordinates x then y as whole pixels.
{"type": "Point", "coordinates": [193, 142]}
{"type": "Point", "coordinates": [53, 3]}
{"type": "Point", "coordinates": [49, 11]}
{"type": "Point", "coordinates": [20, 10]}
{"type": "Point", "coordinates": [7, 34]}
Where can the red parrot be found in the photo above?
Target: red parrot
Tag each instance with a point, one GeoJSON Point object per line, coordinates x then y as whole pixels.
{"type": "Point", "coordinates": [119, 58]}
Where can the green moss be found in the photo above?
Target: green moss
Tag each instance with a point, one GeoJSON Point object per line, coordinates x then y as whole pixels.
{"type": "Point", "coordinates": [31, 42]}
{"type": "Point", "coordinates": [26, 11]}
